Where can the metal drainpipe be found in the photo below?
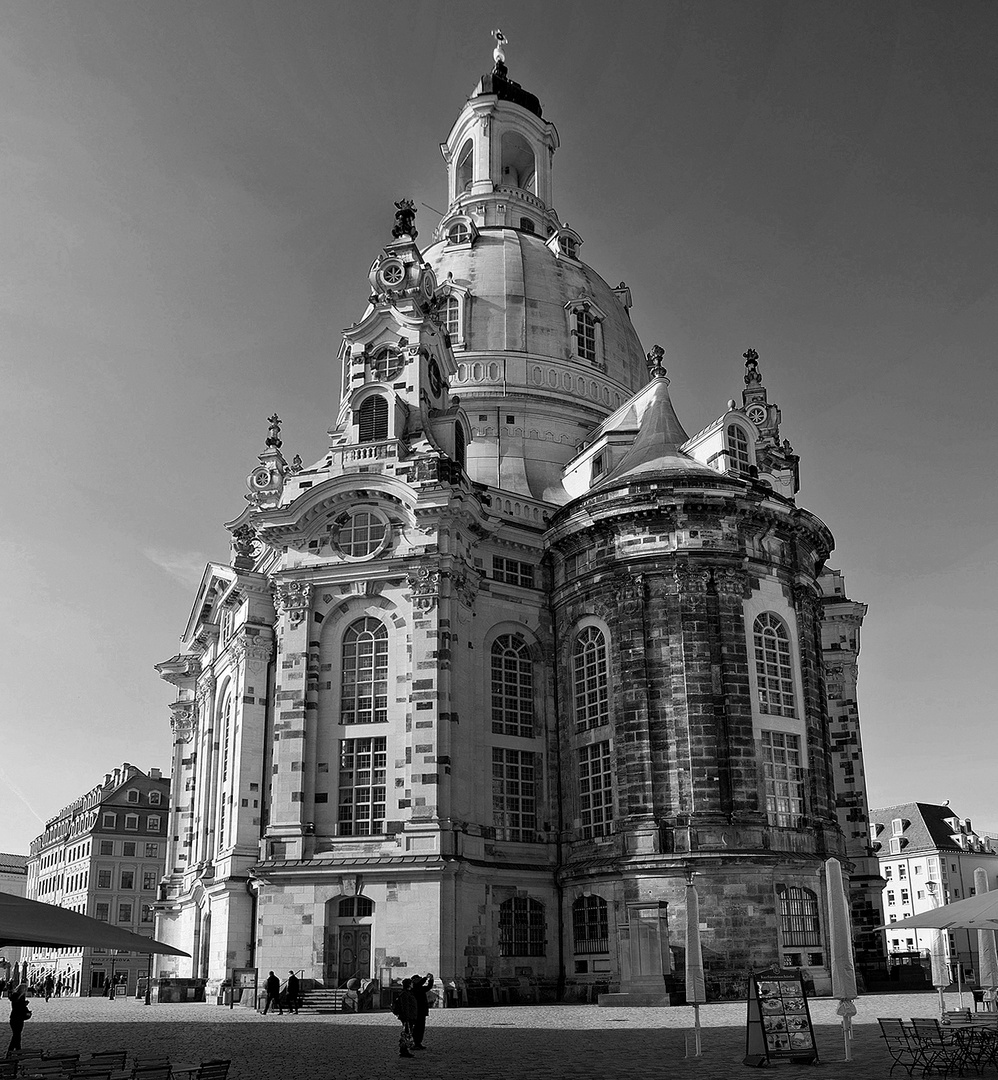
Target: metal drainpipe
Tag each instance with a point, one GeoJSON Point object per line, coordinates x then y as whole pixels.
{"type": "Point", "coordinates": [559, 889]}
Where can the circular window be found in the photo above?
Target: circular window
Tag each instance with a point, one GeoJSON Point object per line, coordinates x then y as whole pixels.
{"type": "Point", "coordinates": [459, 233]}
{"type": "Point", "coordinates": [387, 363]}
{"type": "Point", "coordinates": [392, 272]}
{"type": "Point", "coordinates": [360, 534]}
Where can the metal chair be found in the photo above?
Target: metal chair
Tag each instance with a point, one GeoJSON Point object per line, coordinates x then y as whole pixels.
{"type": "Point", "coordinates": [940, 1049]}
{"type": "Point", "coordinates": [903, 1050]}
{"type": "Point", "coordinates": [115, 1058]}
{"type": "Point", "coordinates": [152, 1072]}
{"type": "Point", "coordinates": [213, 1070]}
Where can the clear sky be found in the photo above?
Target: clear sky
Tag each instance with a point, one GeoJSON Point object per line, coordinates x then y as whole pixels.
{"type": "Point", "coordinates": [191, 198]}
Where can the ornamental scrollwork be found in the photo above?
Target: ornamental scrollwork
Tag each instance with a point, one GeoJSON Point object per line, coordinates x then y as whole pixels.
{"type": "Point", "coordinates": [731, 581]}
{"type": "Point", "coordinates": [424, 588]}
{"type": "Point", "coordinates": [292, 598]}
{"type": "Point", "coordinates": [691, 579]}
{"type": "Point", "coordinates": [182, 722]}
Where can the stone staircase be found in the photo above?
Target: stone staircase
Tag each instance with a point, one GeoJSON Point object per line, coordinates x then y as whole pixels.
{"type": "Point", "coordinates": [322, 1001]}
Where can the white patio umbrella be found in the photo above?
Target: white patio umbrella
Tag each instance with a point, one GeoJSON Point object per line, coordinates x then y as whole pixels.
{"type": "Point", "coordinates": [841, 959]}
{"type": "Point", "coordinates": [941, 975]}
{"type": "Point", "coordinates": [978, 912]}
{"type": "Point", "coordinates": [696, 993]}
{"type": "Point", "coordinates": [987, 962]}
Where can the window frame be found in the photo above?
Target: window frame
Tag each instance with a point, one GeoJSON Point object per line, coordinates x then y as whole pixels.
{"type": "Point", "coordinates": [511, 683]}
{"type": "Point", "coordinates": [589, 911]}
{"type": "Point", "coordinates": [784, 778]}
{"type": "Point", "coordinates": [596, 802]}
{"type": "Point", "coordinates": [515, 776]}
{"type": "Point", "coordinates": [774, 668]}
{"type": "Point", "coordinates": [738, 448]}
{"type": "Point", "coordinates": [522, 922]}
{"type": "Point", "coordinates": [370, 707]}
{"type": "Point", "coordinates": [800, 917]}
{"type": "Point", "coordinates": [372, 418]}
{"type": "Point", "coordinates": [360, 755]}
{"type": "Point", "coordinates": [590, 676]}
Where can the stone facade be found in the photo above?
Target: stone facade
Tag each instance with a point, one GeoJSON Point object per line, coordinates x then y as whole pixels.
{"type": "Point", "coordinates": [480, 687]}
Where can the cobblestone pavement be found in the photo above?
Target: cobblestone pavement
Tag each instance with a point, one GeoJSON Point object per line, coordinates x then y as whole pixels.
{"type": "Point", "coordinates": [533, 1042]}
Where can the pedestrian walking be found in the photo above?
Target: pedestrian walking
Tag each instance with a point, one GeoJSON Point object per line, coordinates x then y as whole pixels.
{"type": "Point", "coordinates": [19, 1012]}
{"type": "Point", "coordinates": [420, 985]}
{"type": "Point", "coordinates": [293, 989]}
{"type": "Point", "coordinates": [49, 985]}
{"type": "Point", "coordinates": [273, 988]}
{"type": "Point", "coordinates": [405, 1008]}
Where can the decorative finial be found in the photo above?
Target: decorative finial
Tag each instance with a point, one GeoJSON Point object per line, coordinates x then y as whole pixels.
{"type": "Point", "coordinates": [297, 463]}
{"type": "Point", "coordinates": [751, 367]}
{"type": "Point", "coordinates": [405, 220]}
{"type": "Point", "coordinates": [656, 362]}
{"type": "Point", "coordinates": [244, 542]}
{"type": "Point", "coordinates": [274, 438]}
{"type": "Point", "coordinates": [498, 53]}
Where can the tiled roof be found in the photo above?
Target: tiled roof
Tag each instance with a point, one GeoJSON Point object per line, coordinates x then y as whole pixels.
{"type": "Point", "coordinates": [927, 829]}
{"type": "Point", "coordinates": [13, 864]}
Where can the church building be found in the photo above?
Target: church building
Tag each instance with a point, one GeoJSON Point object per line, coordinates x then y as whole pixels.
{"type": "Point", "coordinates": [482, 688]}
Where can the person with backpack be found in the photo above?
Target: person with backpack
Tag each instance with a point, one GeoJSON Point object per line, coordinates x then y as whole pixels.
{"type": "Point", "coordinates": [405, 1008]}
{"type": "Point", "coordinates": [19, 1012]}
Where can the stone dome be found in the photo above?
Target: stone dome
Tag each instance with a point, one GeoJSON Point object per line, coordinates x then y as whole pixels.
{"type": "Point", "coordinates": [520, 295]}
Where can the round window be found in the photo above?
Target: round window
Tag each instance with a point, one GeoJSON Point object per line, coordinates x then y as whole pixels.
{"type": "Point", "coordinates": [459, 233]}
{"type": "Point", "coordinates": [387, 363]}
{"type": "Point", "coordinates": [361, 533]}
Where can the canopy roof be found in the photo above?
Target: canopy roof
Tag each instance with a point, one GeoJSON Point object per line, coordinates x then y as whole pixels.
{"type": "Point", "coordinates": [978, 912]}
{"type": "Point", "coordinates": [29, 922]}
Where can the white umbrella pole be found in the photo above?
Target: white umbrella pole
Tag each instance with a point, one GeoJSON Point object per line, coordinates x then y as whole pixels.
{"type": "Point", "coordinates": [696, 1031]}
{"type": "Point", "coordinates": [959, 977]}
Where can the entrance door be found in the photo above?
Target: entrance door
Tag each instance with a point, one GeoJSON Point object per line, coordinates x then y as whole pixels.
{"type": "Point", "coordinates": [355, 953]}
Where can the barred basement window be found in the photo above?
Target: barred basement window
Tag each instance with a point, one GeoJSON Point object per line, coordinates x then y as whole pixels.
{"type": "Point", "coordinates": [364, 696]}
{"type": "Point", "coordinates": [514, 811]}
{"type": "Point", "coordinates": [589, 673]}
{"type": "Point", "coordinates": [521, 927]}
{"type": "Point", "coordinates": [362, 786]}
{"type": "Point", "coordinates": [799, 923]}
{"type": "Point", "coordinates": [595, 790]}
{"type": "Point", "coordinates": [512, 687]}
{"type": "Point", "coordinates": [372, 420]}
{"type": "Point", "coordinates": [773, 667]}
{"type": "Point", "coordinates": [784, 778]}
{"type": "Point", "coordinates": [590, 926]}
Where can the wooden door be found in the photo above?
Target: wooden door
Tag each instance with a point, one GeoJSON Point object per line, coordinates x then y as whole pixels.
{"type": "Point", "coordinates": [355, 953]}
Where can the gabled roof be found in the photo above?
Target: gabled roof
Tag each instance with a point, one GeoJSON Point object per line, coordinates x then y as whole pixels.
{"type": "Point", "coordinates": [928, 828]}
{"type": "Point", "coordinates": [13, 864]}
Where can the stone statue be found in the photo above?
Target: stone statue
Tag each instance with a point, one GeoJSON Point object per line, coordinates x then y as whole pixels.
{"type": "Point", "coordinates": [751, 367]}
{"type": "Point", "coordinates": [656, 362]}
{"type": "Point", "coordinates": [405, 220]}
{"type": "Point", "coordinates": [274, 438]}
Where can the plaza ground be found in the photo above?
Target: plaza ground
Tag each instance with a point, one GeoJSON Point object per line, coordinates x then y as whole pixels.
{"type": "Point", "coordinates": [533, 1042]}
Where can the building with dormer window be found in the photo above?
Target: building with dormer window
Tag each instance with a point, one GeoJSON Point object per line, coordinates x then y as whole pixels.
{"type": "Point", "coordinates": [483, 684]}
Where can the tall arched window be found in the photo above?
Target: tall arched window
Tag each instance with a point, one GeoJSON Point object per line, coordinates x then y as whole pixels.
{"type": "Point", "coordinates": [465, 167]}
{"type": "Point", "coordinates": [585, 334]}
{"type": "Point", "coordinates": [589, 675]}
{"type": "Point", "coordinates": [364, 697]}
{"type": "Point", "coordinates": [521, 927]}
{"type": "Point", "coordinates": [460, 455]}
{"type": "Point", "coordinates": [590, 926]}
{"type": "Point", "coordinates": [372, 419]}
{"type": "Point", "coordinates": [738, 450]}
{"type": "Point", "coordinates": [773, 666]}
{"type": "Point", "coordinates": [800, 925]}
{"type": "Point", "coordinates": [512, 686]}
{"type": "Point", "coordinates": [451, 316]}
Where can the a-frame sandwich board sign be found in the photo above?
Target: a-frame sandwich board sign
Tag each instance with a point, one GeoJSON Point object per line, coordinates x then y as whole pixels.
{"type": "Point", "coordinates": [779, 1020]}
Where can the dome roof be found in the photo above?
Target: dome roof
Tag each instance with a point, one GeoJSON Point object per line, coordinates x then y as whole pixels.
{"type": "Point", "coordinates": [521, 292]}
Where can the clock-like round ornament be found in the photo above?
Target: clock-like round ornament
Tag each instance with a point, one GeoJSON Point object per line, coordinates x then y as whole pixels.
{"type": "Point", "coordinates": [391, 273]}
{"type": "Point", "coordinates": [756, 413]}
{"type": "Point", "coordinates": [428, 284]}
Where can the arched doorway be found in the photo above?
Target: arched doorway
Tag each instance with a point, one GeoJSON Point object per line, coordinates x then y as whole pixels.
{"type": "Point", "coordinates": [349, 936]}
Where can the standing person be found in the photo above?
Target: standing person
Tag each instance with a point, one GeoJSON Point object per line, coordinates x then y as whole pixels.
{"type": "Point", "coordinates": [273, 988]}
{"type": "Point", "coordinates": [419, 987]}
{"type": "Point", "coordinates": [19, 1012]}
{"type": "Point", "coordinates": [49, 985]}
{"type": "Point", "coordinates": [406, 1009]}
{"type": "Point", "coordinates": [293, 992]}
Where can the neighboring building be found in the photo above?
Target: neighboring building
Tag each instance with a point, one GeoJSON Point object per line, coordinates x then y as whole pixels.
{"type": "Point", "coordinates": [919, 843]}
{"type": "Point", "coordinates": [103, 855]}
{"type": "Point", "coordinates": [13, 880]}
{"type": "Point", "coordinates": [481, 686]}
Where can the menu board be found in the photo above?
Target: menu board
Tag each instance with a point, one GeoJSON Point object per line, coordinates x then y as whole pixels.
{"type": "Point", "coordinates": [779, 1021]}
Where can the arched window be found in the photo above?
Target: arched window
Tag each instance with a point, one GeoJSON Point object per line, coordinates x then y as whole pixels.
{"type": "Point", "coordinates": [512, 687]}
{"type": "Point", "coordinates": [518, 168]}
{"type": "Point", "coordinates": [458, 233]}
{"type": "Point", "coordinates": [364, 697]}
{"type": "Point", "coordinates": [460, 455]}
{"type": "Point", "coordinates": [527, 225]}
{"type": "Point", "coordinates": [465, 167]}
{"type": "Point", "coordinates": [451, 316]}
{"type": "Point", "coordinates": [386, 363]}
{"type": "Point", "coordinates": [356, 907]}
{"type": "Point", "coordinates": [590, 926]}
{"type": "Point", "coordinates": [521, 927]}
{"type": "Point", "coordinates": [589, 675]}
{"type": "Point", "coordinates": [585, 334]}
{"type": "Point", "coordinates": [568, 246]}
{"type": "Point", "coordinates": [372, 419]}
{"type": "Point", "coordinates": [800, 925]}
{"type": "Point", "coordinates": [738, 449]}
{"type": "Point", "coordinates": [773, 667]}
